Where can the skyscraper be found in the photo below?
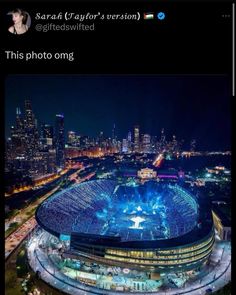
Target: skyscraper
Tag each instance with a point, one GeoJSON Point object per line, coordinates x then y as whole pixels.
{"type": "Point", "coordinates": [146, 143]}
{"type": "Point", "coordinates": [129, 139]}
{"type": "Point", "coordinates": [163, 140]}
{"type": "Point", "coordinates": [29, 116]}
{"type": "Point", "coordinates": [47, 149]}
{"type": "Point", "coordinates": [174, 145]}
{"type": "Point", "coordinates": [60, 141]}
{"type": "Point", "coordinates": [101, 139]}
{"type": "Point", "coordinates": [46, 134]}
{"type": "Point", "coordinates": [46, 131]}
{"type": "Point", "coordinates": [193, 145]}
{"type": "Point", "coordinates": [18, 134]}
{"type": "Point", "coordinates": [71, 137]}
{"type": "Point", "coordinates": [136, 138]}
{"type": "Point", "coordinates": [31, 131]}
{"type": "Point", "coordinates": [19, 120]}
{"type": "Point", "coordinates": [124, 145]}
{"type": "Point", "coordinates": [113, 135]}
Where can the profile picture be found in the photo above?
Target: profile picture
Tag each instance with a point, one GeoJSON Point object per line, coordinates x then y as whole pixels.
{"type": "Point", "coordinates": [21, 21]}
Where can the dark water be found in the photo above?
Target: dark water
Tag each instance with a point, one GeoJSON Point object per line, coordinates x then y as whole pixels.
{"type": "Point", "coordinates": [198, 162]}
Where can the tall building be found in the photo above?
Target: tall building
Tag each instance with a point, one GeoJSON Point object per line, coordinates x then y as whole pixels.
{"type": "Point", "coordinates": [19, 120]}
{"type": "Point", "coordinates": [71, 138]}
{"type": "Point", "coordinates": [154, 144]}
{"type": "Point", "coordinates": [30, 152]}
{"type": "Point", "coordinates": [129, 140]}
{"type": "Point", "coordinates": [51, 161]}
{"type": "Point", "coordinates": [101, 139]}
{"type": "Point", "coordinates": [18, 135]}
{"type": "Point", "coordinates": [46, 131]}
{"type": "Point", "coordinates": [113, 135]}
{"type": "Point", "coordinates": [31, 131]}
{"type": "Point", "coordinates": [46, 134]}
{"type": "Point", "coordinates": [60, 141]}
{"type": "Point", "coordinates": [193, 145]}
{"type": "Point", "coordinates": [47, 152]}
{"type": "Point", "coordinates": [124, 145]}
{"type": "Point", "coordinates": [174, 145]}
{"type": "Point", "coordinates": [23, 150]}
{"type": "Point", "coordinates": [129, 136]}
{"type": "Point", "coordinates": [163, 140]}
{"type": "Point", "coordinates": [136, 138]}
{"type": "Point", "coordinates": [29, 116]}
{"type": "Point", "coordinates": [146, 143]}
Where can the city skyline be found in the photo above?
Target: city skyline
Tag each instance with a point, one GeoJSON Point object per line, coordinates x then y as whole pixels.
{"type": "Point", "coordinates": [92, 104]}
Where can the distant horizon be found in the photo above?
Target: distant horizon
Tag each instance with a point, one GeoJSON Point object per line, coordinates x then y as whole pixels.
{"type": "Point", "coordinates": [189, 107]}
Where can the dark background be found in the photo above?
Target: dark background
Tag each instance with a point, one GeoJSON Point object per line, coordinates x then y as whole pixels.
{"type": "Point", "coordinates": [192, 46]}
{"type": "Point", "coordinates": [188, 106]}
{"type": "Point", "coordinates": [194, 38]}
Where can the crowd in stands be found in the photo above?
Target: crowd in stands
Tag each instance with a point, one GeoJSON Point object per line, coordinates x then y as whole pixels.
{"type": "Point", "coordinates": [98, 207]}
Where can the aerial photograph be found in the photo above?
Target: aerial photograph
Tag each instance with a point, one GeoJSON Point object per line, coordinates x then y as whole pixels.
{"type": "Point", "coordinates": [117, 184]}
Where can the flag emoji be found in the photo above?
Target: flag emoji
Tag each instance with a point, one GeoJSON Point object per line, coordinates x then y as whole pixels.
{"type": "Point", "coordinates": [148, 15]}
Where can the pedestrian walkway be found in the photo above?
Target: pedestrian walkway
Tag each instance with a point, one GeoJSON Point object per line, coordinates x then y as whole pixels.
{"type": "Point", "coordinates": [219, 273]}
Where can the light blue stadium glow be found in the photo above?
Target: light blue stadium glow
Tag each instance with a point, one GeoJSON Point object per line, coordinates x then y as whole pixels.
{"type": "Point", "coordinates": [151, 211]}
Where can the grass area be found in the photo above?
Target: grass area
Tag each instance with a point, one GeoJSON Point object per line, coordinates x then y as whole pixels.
{"type": "Point", "coordinates": [12, 281]}
{"type": "Point", "coordinates": [31, 212]}
{"type": "Point", "coordinates": [13, 226]}
{"type": "Point", "coordinates": [21, 264]}
{"type": "Point", "coordinates": [17, 270]}
{"type": "Point", "coordinates": [12, 213]}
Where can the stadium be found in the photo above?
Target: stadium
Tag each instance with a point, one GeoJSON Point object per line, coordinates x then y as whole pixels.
{"type": "Point", "coordinates": [127, 237]}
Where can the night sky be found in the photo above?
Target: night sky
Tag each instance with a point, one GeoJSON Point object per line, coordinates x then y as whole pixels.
{"type": "Point", "coordinates": [191, 107]}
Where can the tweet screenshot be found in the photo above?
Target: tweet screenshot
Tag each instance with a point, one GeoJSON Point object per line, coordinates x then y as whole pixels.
{"type": "Point", "coordinates": [117, 147]}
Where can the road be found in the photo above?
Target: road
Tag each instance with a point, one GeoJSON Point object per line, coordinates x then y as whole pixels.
{"type": "Point", "coordinates": [27, 212]}
{"type": "Point", "coordinates": [17, 237]}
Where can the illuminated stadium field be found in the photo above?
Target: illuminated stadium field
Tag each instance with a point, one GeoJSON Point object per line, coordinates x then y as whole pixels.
{"type": "Point", "coordinates": [153, 226]}
{"type": "Point", "coordinates": [151, 233]}
{"type": "Point", "coordinates": [147, 212]}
